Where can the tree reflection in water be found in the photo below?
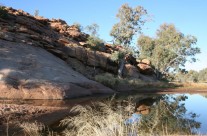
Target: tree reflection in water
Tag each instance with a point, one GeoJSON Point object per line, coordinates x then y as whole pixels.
{"type": "Point", "coordinates": [156, 115]}
{"type": "Point", "coordinates": [168, 115]}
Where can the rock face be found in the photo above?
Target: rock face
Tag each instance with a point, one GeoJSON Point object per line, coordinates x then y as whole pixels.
{"type": "Point", "coordinates": [130, 71]}
{"type": "Point", "coordinates": [30, 72]}
{"type": "Point", "coordinates": [55, 36]}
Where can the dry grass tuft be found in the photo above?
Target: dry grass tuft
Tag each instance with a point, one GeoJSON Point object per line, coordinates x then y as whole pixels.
{"type": "Point", "coordinates": [36, 129]}
{"type": "Point", "coordinates": [100, 119]}
{"type": "Point", "coordinates": [32, 129]}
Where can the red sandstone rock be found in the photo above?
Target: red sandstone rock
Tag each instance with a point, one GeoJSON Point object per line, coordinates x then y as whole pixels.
{"type": "Point", "coordinates": [130, 71]}
{"type": "Point", "coordinates": [146, 61]}
{"type": "Point", "coordinates": [145, 69]}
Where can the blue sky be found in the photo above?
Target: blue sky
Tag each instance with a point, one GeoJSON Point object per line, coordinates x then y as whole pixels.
{"type": "Point", "coordinates": [189, 16]}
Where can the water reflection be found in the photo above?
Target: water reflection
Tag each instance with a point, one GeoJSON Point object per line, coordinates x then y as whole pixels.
{"type": "Point", "coordinates": [158, 114]}
{"type": "Point", "coordinates": [165, 115]}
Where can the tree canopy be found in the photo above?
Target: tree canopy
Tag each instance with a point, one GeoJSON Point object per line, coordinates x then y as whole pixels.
{"type": "Point", "coordinates": [130, 22]}
{"type": "Point", "coordinates": [192, 76]}
{"type": "Point", "coordinates": [169, 50]}
{"type": "Point", "coordinates": [93, 29]}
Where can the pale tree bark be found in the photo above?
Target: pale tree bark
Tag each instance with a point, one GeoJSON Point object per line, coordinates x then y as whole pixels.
{"type": "Point", "coordinates": [121, 68]}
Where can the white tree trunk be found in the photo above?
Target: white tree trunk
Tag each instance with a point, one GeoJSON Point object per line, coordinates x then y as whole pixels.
{"type": "Point", "coordinates": [121, 67]}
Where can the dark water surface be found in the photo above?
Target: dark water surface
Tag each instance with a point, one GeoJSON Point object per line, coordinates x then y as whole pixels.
{"type": "Point", "coordinates": [177, 112]}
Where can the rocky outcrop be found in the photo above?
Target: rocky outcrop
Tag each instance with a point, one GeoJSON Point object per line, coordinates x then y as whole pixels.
{"type": "Point", "coordinates": [29, 72]}
{"type": "Point", "coordinates": [55, 36]}
{"type": "Point", "coordinates": [92, 58]}
{"type": "Point", "coordinates": [144, 67]}
{"type": "Point", "coordinates": [130, 71]}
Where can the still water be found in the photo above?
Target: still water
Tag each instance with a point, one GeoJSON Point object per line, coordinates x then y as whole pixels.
{"type": "Point", "coordinates": [185, 113]}
{"type": "Point", "coordinates": [173, 113]}
{"type": "Point", "coordinates": [198, 103]}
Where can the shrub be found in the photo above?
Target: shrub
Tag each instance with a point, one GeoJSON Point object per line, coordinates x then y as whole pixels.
{"type": "Point", "coordinates": [117, 55]}
{"type": "Point", "coordinates": [107, 80]}
{"type": "Point", "coordinates": [95, 43]}
{"type": "Point", "coordinates": [113, 82]}
{"type": "Point", "coordinates": [78, 26]}
{"type": "Point", "coordinates": [3, 12]}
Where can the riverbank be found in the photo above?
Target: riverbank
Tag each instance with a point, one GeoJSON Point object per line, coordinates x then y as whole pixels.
{"type": "Point", "coordinates": [164, 87]}
{"type": "Point", "coordinates": [48, 112]}
{"type": "Point", "coordinates": [12, 115]}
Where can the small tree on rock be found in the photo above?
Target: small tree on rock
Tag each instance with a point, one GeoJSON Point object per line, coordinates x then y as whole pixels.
{"type": "Point", "coordinates": [130, 22]}
{"type": "Point", "coordinates": [93, 29]}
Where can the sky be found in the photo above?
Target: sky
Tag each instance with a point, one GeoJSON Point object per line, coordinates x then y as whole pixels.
{"type": "Point", "coordinates": [189, 16]}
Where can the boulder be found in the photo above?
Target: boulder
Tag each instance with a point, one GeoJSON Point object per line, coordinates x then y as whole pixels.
{"type": "Point", "coordinates": [130, 71]}
{"type": "Point", "coordinates": [143, 109]}
{"type": "Point", "coordinates": [84, 44]}
{"type": "Point", "coordinates": [145, 69]}
{"type": "Point", "coordinates": [146, 61]}
{"type": "Point", "coordinates": [29, 72]}
{"type": "Point", "coordinates": [130, 59]}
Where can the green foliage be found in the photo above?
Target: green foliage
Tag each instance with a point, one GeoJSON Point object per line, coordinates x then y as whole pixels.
{"type": "Point", "coordinates": [169, 51]}
{"type": "Point", "coordinates": [3, 12]}
{"type": "Point", "coordinates": [192, 76]}
{"type": "Point", "coordinates": [117, 55]}
{"type": "Point", "coordinates": [130, 22]}
{"type": "Point", "coordinates": [114, 82]}
{"type": "Point", "coordinates": [146, 47]}
{"type": "Point", "coordinates": [107, 80]}
{"type": "Point", "coordinates": [93, 29]}
{"type": "Point", "coordinates": [202, 75]}
{"type": "Point", "coordinates": [95, 43]}
{"type": "Point", "coordinates": [78, 26]}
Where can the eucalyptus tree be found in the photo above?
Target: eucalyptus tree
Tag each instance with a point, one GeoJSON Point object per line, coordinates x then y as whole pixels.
{"type": "Point", "coordinates": [130, 23]}
{"type": "Point", "coordinates": [93, 29]}
{"type": "Point", "coordinates": [94, 41]}
{"type": "Point", "coordinates": [169, 50]}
